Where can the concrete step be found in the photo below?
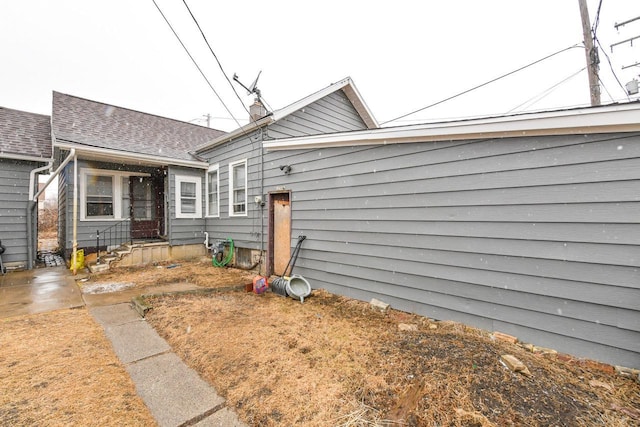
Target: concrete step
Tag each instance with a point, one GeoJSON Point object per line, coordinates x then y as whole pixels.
{"type": "Point", "coordinates": [97, 268]}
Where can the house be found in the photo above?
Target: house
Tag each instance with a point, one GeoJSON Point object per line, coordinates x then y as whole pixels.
{"type": "Point", "coordinates": [136, 176]}
{"type": "Point", "coordinates": [128, 175]}
{"type": "Point", "coordinates": [526, 224]}
{"type": "Point", "coordinates": [25, 153]}
{"type": "Point", "coordinates": [243, 198]}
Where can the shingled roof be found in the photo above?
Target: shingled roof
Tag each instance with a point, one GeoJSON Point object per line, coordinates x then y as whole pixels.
{"type": "Point", "coordinates": [95, 124]}
{"type": "Point", "coordinates": [24, 134]}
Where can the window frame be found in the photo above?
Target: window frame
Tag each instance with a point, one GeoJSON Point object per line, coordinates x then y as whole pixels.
{"type": "Point", "coordinates": [232, 189]}
{"type": "Point", "coordinates": [213, 168]}
{"type": "Point", "coordinates": [179, 179]}
{"type": "Point", "coordinates": [116, 192]}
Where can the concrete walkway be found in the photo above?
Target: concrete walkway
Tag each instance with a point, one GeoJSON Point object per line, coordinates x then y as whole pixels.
{"type": "Point", "coordinates": [173, 392]}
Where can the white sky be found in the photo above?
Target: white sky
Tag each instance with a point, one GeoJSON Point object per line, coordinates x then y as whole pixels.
{"type": "Point", "coordinates": [402, 55]}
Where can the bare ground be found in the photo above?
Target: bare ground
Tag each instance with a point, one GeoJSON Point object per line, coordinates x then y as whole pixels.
{"type": "Point", "coordinates": [336, 361]}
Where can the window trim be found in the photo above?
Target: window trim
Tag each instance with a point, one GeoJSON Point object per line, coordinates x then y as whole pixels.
{"type": "Point", "coordinates": [179, 179]}
{"type": "Point", "coordinates": [116, 187]}
{"type": "Point", "coordinates": [213, 168]}
{"type": "Point", "coordinates": [246, 188]}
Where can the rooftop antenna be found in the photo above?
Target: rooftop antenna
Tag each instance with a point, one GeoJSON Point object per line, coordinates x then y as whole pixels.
{"type": "Point", "coordinates": [251, 89]}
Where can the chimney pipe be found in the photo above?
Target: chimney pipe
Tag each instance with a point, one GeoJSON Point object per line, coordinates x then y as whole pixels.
{"type": "Point", "coordinates": [257, 110]}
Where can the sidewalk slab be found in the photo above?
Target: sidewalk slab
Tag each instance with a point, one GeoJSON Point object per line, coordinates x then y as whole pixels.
{"type": "Point", "coordinates": [222, 418]}
{"type": "Point", "coordinates": [135, 341]}
{"type": "Point", "coordinates": [115, 315]}
{"type": "Point", "coordinates": [131, 337]}
{"type": "Point", "coordinates": [172, 391]}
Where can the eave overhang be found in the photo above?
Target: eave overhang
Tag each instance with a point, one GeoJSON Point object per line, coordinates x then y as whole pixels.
{"type": "Point", "coordinates": [592, 120]}
{"type": "Point", "coordinates": [125, 157]}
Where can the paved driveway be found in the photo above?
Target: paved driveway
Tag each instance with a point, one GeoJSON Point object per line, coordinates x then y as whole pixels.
{"type": "Point", "coordinates": [38, 290]}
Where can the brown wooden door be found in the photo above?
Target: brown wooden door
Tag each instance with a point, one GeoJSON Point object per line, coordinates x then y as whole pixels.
{"type": "Point", "coordinates": [143, 209]}
{"type": "Point", "coordinates": [280, 233]}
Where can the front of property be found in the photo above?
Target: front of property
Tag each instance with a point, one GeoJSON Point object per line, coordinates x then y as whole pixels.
{"type": "Point", "coordinates": [524, 224]}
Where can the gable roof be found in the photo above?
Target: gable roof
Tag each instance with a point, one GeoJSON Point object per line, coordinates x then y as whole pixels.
{"type": "Point", "coordinates": [589, 120]}
{"type": "Point", "coordinates": [103, 129]}
{"type": "Point", "coordinates": [346, 85]}
{"type": "Point", "coordinates": [25, 135]}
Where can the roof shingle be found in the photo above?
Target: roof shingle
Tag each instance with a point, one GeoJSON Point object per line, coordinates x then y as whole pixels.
{"type": "Point", "coordinates": [100, 125]}
{"type": "Point", "coordinates": [25, 134]}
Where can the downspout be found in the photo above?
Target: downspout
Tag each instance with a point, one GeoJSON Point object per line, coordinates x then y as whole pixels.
{"type": "Point", "coordinates": [33, 198]}
{"type": "Point", "coordinates": [262, 257]}
{"type": "Point", "coordinates": [75, 214]}
{"type": "Point", "coordinates": [31, 204]}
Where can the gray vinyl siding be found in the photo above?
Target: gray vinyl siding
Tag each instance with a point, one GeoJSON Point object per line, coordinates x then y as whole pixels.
{"type": "Point", "coordinates": [538, 237]}
{"type": "Point", "coordinates": [14, 193]}
{"type": "Point", "coordinates": [185, 231]}
{"type": "Point", "coordinates": [333, 113]}
{"type": "Point", "coordinates": [244, 230]}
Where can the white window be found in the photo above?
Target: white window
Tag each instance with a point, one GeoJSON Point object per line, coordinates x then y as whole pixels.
{"type": "Point", "coordinates": [104, 194]}
{"type": "Point", "coordinates": [188, 197]}
{"type": "Point", "coordinates": [213, 191]}
{"type": "Point", "coordinates": [99, 196]}
{"type": "Point", "coordinates": [238, 188]}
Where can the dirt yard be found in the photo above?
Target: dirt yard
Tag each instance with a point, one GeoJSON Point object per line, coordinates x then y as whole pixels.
{"type": "Point", "coordinates": [333, 361]}
{"type": "Point", "coordinates": [58, 369]}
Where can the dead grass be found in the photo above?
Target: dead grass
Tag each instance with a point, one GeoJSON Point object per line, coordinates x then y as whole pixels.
{"type": "Point", "coordinates": [59, 369]}
{"type": "Point", "coordinates": [199, 272]}
{"type": "Point", "coordinates": [336, 361]}
{"type": "Point", "coordinates": [331, 361]}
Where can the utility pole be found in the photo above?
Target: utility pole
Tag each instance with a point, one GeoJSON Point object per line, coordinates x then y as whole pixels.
{"type": "Point", "coordinates": [591, 54]}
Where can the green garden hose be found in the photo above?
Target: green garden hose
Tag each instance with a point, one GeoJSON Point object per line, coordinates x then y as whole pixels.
{"type": "Point", "coordinates": [226, 260]}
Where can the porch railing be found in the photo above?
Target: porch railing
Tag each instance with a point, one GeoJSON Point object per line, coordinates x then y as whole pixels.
{"type": "Point", "coordinates": [126, 231]}
{"type": "Point", "coordinates": [113, 236]}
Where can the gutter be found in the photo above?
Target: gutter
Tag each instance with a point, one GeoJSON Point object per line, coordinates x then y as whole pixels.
{"type": "Point", "coordinates": [26, 158]}
{"type": "Point", "coordinates": [616, 118]}
{"type": "Point", "coordinates": [105, 154]}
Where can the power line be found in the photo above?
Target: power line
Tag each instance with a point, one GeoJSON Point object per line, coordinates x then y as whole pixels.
{"type": "Point", "coordinates": [612, 70]}
{"type": "Point", "coordinates": [194, 62]}
{"type": "Point", "coordinates": [597, 21]}
{"type": "Point", "coordinates": [605, 89]}
{"type": "Point", "coordinates": [481, 85]}
{"type": "Point", "coordinates": [214, 55]}
{"type": "Point", "coordinates": [547, 91]}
